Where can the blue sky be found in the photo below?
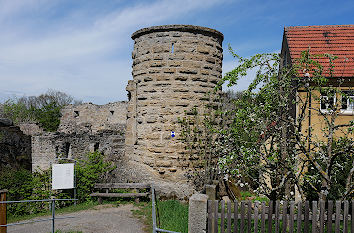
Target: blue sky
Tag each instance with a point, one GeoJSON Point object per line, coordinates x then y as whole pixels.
{"type": "Point", "coordinates": [83, 47]}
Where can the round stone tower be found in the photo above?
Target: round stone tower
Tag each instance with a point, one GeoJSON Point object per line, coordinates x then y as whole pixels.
{"type": "Point", "coordinates": [174, 69]}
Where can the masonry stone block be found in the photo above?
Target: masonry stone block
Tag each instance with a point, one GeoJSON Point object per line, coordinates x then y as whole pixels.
{"type": "Point", "coordinates": [210, 191]}
{"type": "Point", "coordinates": [197, 213]}
{"type": "Point", "coordinates": [172, 67]}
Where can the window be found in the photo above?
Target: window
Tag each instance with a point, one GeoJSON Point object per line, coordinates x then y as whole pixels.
{"type": "Point", "coordinates": [129, 95]}
{"type": "Point", "coordinates": [328, 101]}
{"type": "Point", "coordinates": [76, 114]}
{"type": "Point", "coordinates": [347, 101]}
{"type": "Point", "coordinates": [66, 149]}
{"type": "Point", "coordinates": [96, 146]}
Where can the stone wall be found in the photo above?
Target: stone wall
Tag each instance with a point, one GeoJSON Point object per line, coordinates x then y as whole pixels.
{"type": "Point", "coordinates": [15, 146]}
{"type": "Point", "coordinates": [48, 147]}
{"type": "Point", "coordinates": [30, 128]}
{"type": "Point", "coordinates": [91, 118]}
{"type": "Point", "coordinates": [174, 69]}
{"type": "Point", "coordinates": [83, 128]}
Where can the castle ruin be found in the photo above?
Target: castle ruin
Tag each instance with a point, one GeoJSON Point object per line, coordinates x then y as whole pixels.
{"type": "Point", "coordinates": [174, 69]}
{"type": "Point", "coordinates": [83, 128]}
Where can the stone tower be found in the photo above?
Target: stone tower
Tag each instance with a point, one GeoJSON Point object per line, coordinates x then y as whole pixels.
{"type": "Point", "coordinates": [174, 68]}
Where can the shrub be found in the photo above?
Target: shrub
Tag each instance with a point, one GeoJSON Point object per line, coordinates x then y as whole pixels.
{"type": "Point", "coordinates": [89, 171]}
{"type": "Point", "coordinates": [24, 185]}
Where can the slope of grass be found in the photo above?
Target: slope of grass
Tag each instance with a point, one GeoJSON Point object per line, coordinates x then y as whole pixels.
{"type": "Point", "coordinates": [171, 215]}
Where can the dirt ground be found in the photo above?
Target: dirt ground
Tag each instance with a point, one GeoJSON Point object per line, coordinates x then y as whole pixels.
{"type": "Point", "coordinates": [103, 219]}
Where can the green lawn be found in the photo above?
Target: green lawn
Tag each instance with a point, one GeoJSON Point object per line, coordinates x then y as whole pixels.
{"type": "Point", "coordinates": [171, 215]}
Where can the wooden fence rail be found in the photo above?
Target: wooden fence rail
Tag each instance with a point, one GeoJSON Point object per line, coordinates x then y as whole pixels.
{"type": "Point", "coordinates": [280, 216]}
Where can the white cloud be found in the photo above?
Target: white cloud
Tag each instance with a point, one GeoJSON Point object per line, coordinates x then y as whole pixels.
{"type": "Point", "coordinates": [82, 58]}
{"type": "Point", "coordinates": [9, 8]}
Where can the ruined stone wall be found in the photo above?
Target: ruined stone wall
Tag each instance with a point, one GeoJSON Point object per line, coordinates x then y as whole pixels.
{"type": "Point", "coordinates": [174, 69]}
{"type": "Point", "coordinates": [48, 147]}
{"type": "Point", "coordinates": [15, 146]}
{"type": "Point", "coordinates": [91, 118]}
{"type": "Point", "coordinates": [30, 128]}
{"type": "Point", "coordinates": [83, 128]}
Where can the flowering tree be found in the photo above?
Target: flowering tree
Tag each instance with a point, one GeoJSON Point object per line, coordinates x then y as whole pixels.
{"type": "Point", "coordinates": [262, 142]}
{"type": "Point", "coordinates": [268, 145]}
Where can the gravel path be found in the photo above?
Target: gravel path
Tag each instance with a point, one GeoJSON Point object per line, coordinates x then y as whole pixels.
{"type": "Point", "coordinates": [101, 219]}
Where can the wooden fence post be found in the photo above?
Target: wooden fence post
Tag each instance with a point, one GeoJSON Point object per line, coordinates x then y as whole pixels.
{"type": "Point", "coordinates": [3, 220]}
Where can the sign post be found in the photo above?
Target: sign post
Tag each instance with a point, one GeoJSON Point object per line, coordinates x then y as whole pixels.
{"type": "Point", "coordinates": [3, 220]}
{"type": "Point", "coordinates": [63, 177]}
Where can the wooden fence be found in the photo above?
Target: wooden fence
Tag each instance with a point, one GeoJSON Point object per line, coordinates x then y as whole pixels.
{"type": "Point", "coordinates": [247, 216]}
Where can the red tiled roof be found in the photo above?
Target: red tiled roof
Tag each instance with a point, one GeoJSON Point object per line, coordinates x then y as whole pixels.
{"type": "Point", "coordinates": [337, 40]}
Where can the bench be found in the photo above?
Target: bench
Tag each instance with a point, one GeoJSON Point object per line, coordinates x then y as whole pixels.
{"type": "Point", "coordinates": [109, 186]}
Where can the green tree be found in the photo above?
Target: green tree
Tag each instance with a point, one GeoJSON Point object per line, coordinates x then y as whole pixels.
{"type": "Point", "coordinates": [25, 185]}
{"type": "Point", "coordinates": [48, 116]}
{"type": "Point", "coordinates": [43, 109]}
{"type": "Point", "coordinates": [90, 170]}
{"type": "Point", "coordinates": [261, 143]}
{"type": "Point", "coordinates": [17, 111]}
{"type": "Point", "coordinates": [265, 143]}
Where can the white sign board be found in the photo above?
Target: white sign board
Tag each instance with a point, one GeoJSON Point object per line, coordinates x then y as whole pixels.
{"type": "Point", "coordinates": [63, 176]}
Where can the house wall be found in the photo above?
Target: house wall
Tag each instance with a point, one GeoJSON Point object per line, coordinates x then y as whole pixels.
{"type": "Point", "coordinates": [318, 120]}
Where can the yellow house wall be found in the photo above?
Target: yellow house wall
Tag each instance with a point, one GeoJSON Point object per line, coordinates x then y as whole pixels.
{"type": "Point", "coordinates": [318, 120]}
{"type": "Point", "coordinates": [318, 125]}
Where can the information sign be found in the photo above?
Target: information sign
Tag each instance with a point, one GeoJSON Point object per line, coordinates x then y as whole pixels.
{"type": "Point", "coordinates": [63, 176]}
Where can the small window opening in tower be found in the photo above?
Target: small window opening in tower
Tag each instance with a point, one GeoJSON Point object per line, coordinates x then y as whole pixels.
{"type": "Point", "coordinates": [129, 95]}
{"type": "Point", "coordinates": [96, 146]}
{"type": "Point", "coordinates": [57, 151]}
{"type": "Point", "coordinates": [66, 149]}
{"type": "Point", "coordinates": [76, 114]}
{"type": "Point", "coordinates": [173, 48]}
{"type": "Point", "coordinates": [112, 112]}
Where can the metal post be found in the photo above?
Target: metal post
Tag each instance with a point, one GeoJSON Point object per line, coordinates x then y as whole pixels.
{"type": "Point", "coordinates": [53, 215]}
{"type": "Point", "coordinates": [153, 210]}
{"type": "Point", "coordinates": [75, 182]}
{"type": "Point", "coordinates": [3, 220]}
{"type": "Point", "coordinates": [51, 196]}
{"type": "Point", "coordinates": [75, 196]}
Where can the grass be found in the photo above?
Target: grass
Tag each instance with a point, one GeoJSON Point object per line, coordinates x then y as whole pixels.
{"type": "Point", "coordinates": [171, 215]}
{"type": "Point", "coordinates": [245, 195]}
{"type": "Point", "coordinates": [144, 213]}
